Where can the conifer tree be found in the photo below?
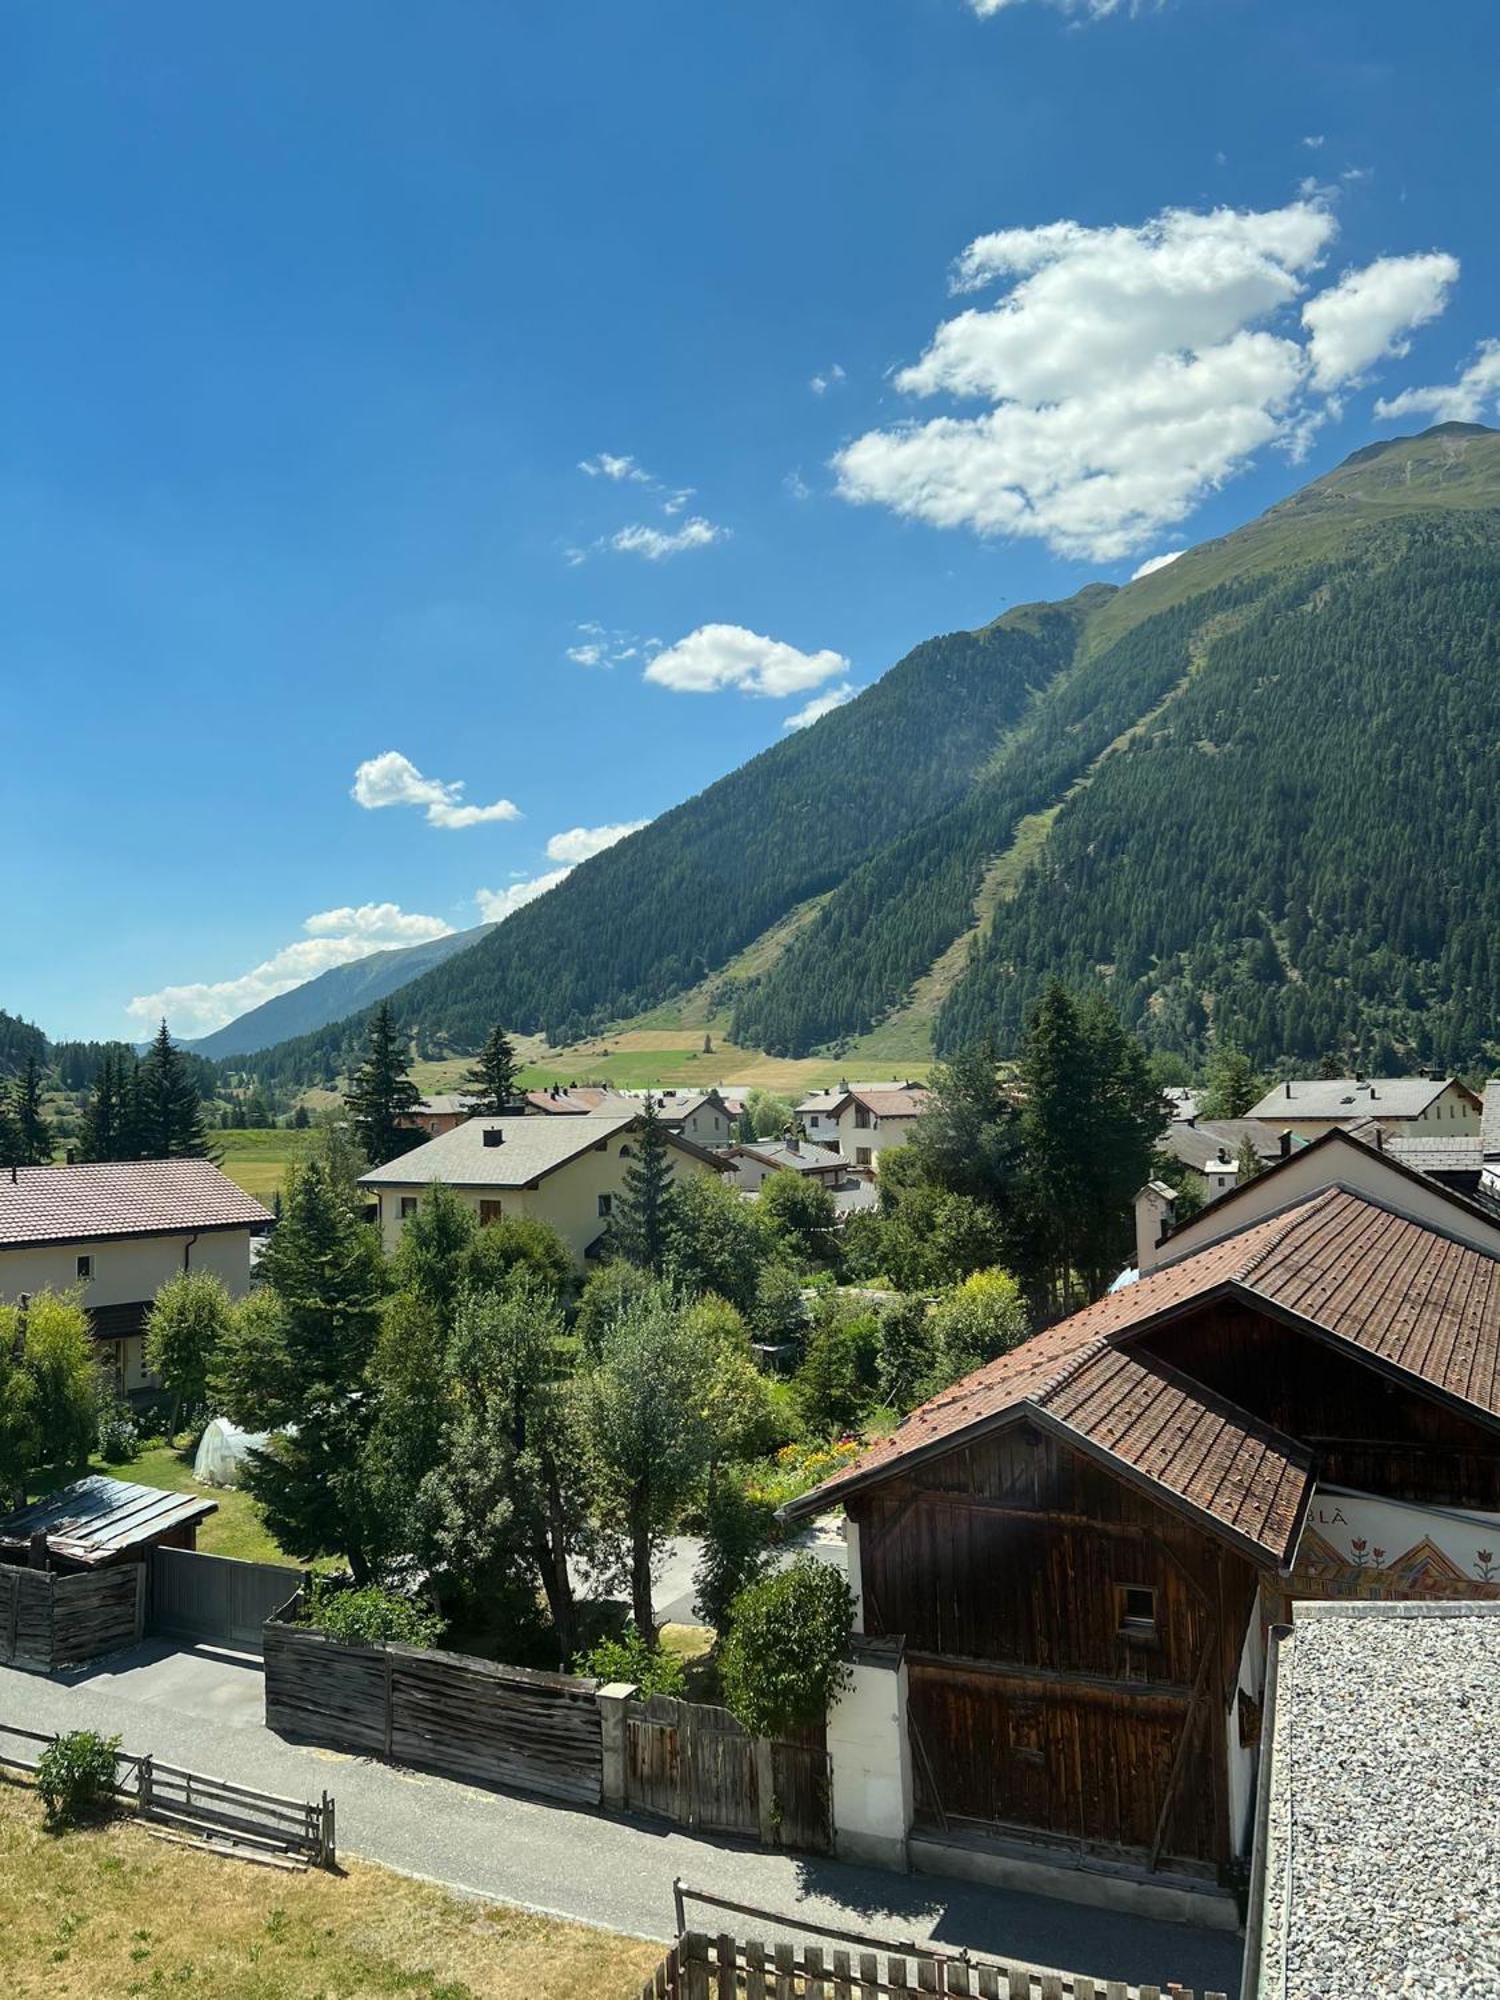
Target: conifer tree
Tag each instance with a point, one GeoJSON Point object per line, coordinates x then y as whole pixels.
{"type": "Point", "coordinates": [167, 1111]}
{"type": "Point", "coordinates": [109, 1112]}
{"type": "Point", "coordinates": [381, 1093]}
{"type": "Point", "coordinates": [33, 1133]}
{"type": "Point", "coordinates": [491, 1083]}
{"type": "Point", "coordinates": [641, 1218]}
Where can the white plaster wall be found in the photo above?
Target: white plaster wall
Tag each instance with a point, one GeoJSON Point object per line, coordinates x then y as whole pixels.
{"type": "Point", "coordinates": [129, 1268]}
{"type": "Point", "coordinates": [1242, 1760]}
{"type": "Point", "coordinates": [870, 1758]}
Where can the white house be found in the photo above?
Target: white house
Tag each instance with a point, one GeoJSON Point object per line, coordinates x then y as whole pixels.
{"type": "Point", "coordinates": [1310, 1106]}
{"type": "Point", "coordinates": [754, 1159]}
{"type": "Point", "coordinates": [862, 1120]}
{"type": "Point", "coordinates": [568, 1172]}
{"type": "Point", "coordinates": [116, 1231]}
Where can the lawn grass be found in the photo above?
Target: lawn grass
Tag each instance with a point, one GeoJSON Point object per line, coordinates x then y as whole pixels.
{"type": "Point", "coordinates": [109, 1911]}
{"type": "Point", "coordinates": [236, 1530]}
{"type": "Point", "coordinates": [257, 1160]}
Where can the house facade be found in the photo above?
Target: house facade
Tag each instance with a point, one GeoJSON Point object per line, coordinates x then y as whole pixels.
{"type": "Point", "coordinates": [439, 1113]}
{"type": "Point", "coordinates": [568, 1172]}
{"type": "Point", "coordinates": [753, 1160]}
{"type": "Point", "coordinates": [862, 1120]}
{"type": "Point", "coordinates": [1081, 1548]}
{"type": "Point", "coordinates": [115, 1232]}
{"type": "Point", "coordinates": [1310, 1106]}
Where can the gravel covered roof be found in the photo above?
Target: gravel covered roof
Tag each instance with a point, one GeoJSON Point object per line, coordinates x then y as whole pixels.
{"type": "Point", "coordinates": [86, 1204]}
{"type": "Point", "coordinates": [1380, 1852]}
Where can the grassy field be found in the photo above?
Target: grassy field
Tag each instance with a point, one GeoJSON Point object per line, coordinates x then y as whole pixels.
{"type": "Point", "coordinates": [257, 1161]}
{"type": "Point", "coordinates": [237, 1528]}
{"type": "Point", "coordinates": [109, 1911]}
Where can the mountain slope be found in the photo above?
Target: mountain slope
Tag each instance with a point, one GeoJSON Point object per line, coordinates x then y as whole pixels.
{"type": "Point", "coordinates": [1260, 785]}
{"type": "Point", "coordinates": [342, 990]}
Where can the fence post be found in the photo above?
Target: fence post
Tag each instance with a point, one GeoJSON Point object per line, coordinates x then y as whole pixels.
{"type": "Point", "coordinates": [613, 1722]}
{"type": "Point", "coordinates": [693, 1949]}
{"type": "Point", "coordinates": [143, 1788]}
{"type": "Point", "coordinates": [330, 1849]}
{"type": "Point", "coordinates": [390, 1702]}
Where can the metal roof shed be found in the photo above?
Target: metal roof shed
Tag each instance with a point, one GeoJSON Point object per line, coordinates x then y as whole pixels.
{"type": "Point", "coordinates": [100, 1520]}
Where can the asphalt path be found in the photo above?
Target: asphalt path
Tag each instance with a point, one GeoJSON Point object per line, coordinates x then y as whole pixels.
{"type": "Point", "coordinates": [201, 1708]}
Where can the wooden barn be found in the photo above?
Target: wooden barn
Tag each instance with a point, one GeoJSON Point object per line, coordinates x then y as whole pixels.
{"type": "Point", "coordinates": [1081, 1546]}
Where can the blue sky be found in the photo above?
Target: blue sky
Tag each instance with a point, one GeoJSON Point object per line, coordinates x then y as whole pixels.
{"type": "Point", "coordinates": [315, 316]}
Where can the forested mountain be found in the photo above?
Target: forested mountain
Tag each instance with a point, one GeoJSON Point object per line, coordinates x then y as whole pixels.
{"type": "Point", "coordinates": [1260, 786]}
{"type": "Point", "coordinates": [342, 990]}
{"type": "Point", "coordinates": [18, 1041]}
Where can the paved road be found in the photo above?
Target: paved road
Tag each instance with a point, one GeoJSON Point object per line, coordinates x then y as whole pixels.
{"type": "Point", "coordinates": [201, 1709]}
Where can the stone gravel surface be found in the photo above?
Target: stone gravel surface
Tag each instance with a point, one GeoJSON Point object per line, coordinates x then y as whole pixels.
{"type": "Point", "coordinates": [1385, 1810]}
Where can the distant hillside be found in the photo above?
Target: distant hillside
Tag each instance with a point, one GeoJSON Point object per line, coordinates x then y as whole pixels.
{"type": "Point", "coordinates": [343, 990]}
{"type": "Point", "coordinates": [1259, 787]}
{"type": "Point", "coordinates": [18, 1041]}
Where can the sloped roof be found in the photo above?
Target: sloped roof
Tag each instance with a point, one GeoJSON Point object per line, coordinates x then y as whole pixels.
{"type": "Point", "coordinates": [529, 1150]}
{"type": "Point", "coordinates": [1195, 1145]}
{"type": "Point", "coordinates": [800, 1159]}
{"type": "Point", "coordinates": [1350, 1097]}
{"type": "Point", "coordinates": [97, 1518]}
{"type": "Point", "coordinates": [111, 1198]}
{"type": "Point", "coordinates": [1409, 1297]}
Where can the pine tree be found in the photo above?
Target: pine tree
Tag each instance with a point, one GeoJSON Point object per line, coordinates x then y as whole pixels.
{"type": "Point", "coordinates": [167, 1110]}
{"type": "Point", "coordinates": [641, 1218]}
{"type": "Point", "coordinates": [109, 1113]}
{"type": "Point", "coordinates": [381, 1093]}
{"type": "Point", "coordinates": [491, 1084]}
{"type": "Point", "coordinates": [33, 1133]}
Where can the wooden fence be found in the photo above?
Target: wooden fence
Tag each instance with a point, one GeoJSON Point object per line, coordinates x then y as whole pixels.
{"type": "Point", "coordinates": [704, 1967]}
{"type": "Point", "coordinates": [694, 1763]}
{"type": "Point", "coordinates": [229, 1816]}
{"type": "Point", "coordinates": [48, 1620]}
{"type": "Point", "coordinates": [443, 1712]}
{"type": "Point", "coordinates": [194, 1596]}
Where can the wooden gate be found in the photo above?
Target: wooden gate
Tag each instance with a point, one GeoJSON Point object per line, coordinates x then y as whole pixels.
{"type": "Point", "coordinates": [695, 1764]}
{"type": "Point", "coordinates": [195, 1596]}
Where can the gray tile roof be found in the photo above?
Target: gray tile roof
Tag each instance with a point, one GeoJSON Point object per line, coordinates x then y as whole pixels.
{"type": "Point", "coordinates": [86, 1204]}
{"type": "Point", "coordinates": [806, 1159]}
{"type": "Point", "coordinates": [1195, 1145]}
{"type": "Point", "coordinates": [98, 1517]}
{"type": "Point", "coordinates": [529, 1150]}
{"type": "Point", "coordinates": [1350, 1097]}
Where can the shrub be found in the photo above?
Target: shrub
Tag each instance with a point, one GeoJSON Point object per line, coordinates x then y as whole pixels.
{"type": "Point", "coordinates": [629, 1658]}
{"type": "Point", "coordinates": [118, 1437]}
{"type": "Point", "coordinates": [797, 1469]}
{"type": "Point", "coordinates": [76, 1776]}
{"type": "Point", "coordinates": [737, 1529]}
{"type": "Point", "coordinates": [979, 1320]}
{"type": "Point", "coordinates": [786, 1656]}
{"type": "Point", "coordinates": [369, 1616]}
{"type": "Point", "coordinates": [837, 1376]}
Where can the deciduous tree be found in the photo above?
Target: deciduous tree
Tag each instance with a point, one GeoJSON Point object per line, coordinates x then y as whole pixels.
{"type": "Point", "coordinates": [190, 1320]}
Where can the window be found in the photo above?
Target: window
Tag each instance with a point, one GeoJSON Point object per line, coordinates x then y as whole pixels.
{"type": "Point", "coordinates": [606, 1204]}
{"type": "Point", "coordinates": [408, 1207]}
{"type": "Point", "coordinates": [1026, 1732]}
{"type": "Point", "coordinates": [861, 1156]}
{"type": "Point", "coordinates": [862, 1117]}
{"type": "Point", "coordinates": [490, 1211]}
{"type": "Point", "coordinates": [1135, 1606]}
{"type": "Point", "coordinates": [86, 1270]}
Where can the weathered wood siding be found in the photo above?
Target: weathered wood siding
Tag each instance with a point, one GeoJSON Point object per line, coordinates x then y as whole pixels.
{"type": "Point", "coordinates": [48, 1620]}
{"type": "Point", "coordinates": [1003, 1563]}
{"type": "Point", "coordinates": [1370, 1431]}
{"type": "Point", "coordinates": [696, 1764]}
{"type": "Point", "coordinates": [445, 1712]}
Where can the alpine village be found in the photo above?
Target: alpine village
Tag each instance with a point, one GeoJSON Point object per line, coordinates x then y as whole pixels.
{"type": "Point", "coordinates": [885, 1383]}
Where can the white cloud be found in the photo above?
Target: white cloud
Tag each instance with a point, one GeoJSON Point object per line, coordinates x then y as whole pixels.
{"type": "Point", "coordinates": [656, 543]}
{"type": "Point", "coordinates": [725, 656]}
{"type": "Point", "coordinates": [829, 379]}
{"type": "Point", "coordinates": [605, 465]}
{"type": "Point", "coordinates": [1130, 371]}
{"type": "Point", "coordinates": [1462, 402]}
{"type": "Point", "coordinates": [393, 780]}
{"type": "Point", "coordinates": [821, 705]}
{"type": "Point", "coordinates": [1365, 316]}
{"type": "Point", "coordinates": [334, 937]}
{"type": "Point", "coordinates": [1314, 142]}
{"type": "Point", "coordinates": [797, 486]}
{"type": "Point", "coordinates": [1093, 10]}
{"type": "Point", "coordinates": [495, 905]}
{"type": "Point", "coordinates": [1154, 563]}
{"type": "Point", "coordinates": [579, 842]}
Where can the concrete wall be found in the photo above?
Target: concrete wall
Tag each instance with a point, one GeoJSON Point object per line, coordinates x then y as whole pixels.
{"type": "Point", "coordinates": [870, 1758]}
{"type": "Point", "coordinates": [567, 1200]}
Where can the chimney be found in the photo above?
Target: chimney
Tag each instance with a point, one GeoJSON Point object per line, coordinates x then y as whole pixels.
{"type": "Point", "coordinates": [493, 1136]}
{"type": "Point", "coordinates": [1221, 1175]}
{"type": "Point", "coordinates": [1289, 1090]}
{"type": "Point", "coordinates": [1154, 1209]}
{"type": "Point", "coordinates": [1286, 1138]}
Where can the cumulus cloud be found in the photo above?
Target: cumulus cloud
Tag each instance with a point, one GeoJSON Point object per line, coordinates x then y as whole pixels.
{"type": "Point", "coordinates": [730, 656]}
{"type": "Point", "coordinates": [579, 842]}
{"type": "Point", "coordinates": [1154, 563]}
{"type": "Point", "coordinates": [606, 465]}
{"type": "Point", "coordinates": [655, 544]}
{"type": "Point", "coordinates": [1462, 402]}
{"type": "Point", "coordinates": [1367, 314]}
{"type": "Point", "coordinates": [821, 705]}
{"type": "Point", "coordinates": [332, 937]}
{"type": "Point", "coordinates": [495, 905]}
{"type": "Point", "coordinates": [1128, 371]}
{"type": "Point", "coordinates": [393, 780]}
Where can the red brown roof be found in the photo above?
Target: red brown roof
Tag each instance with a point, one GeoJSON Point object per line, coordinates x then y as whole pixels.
{"type": "Point", "coordinates": [1397, 1290]}
{"type": "Point", "coordinates": [121, 1198]}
